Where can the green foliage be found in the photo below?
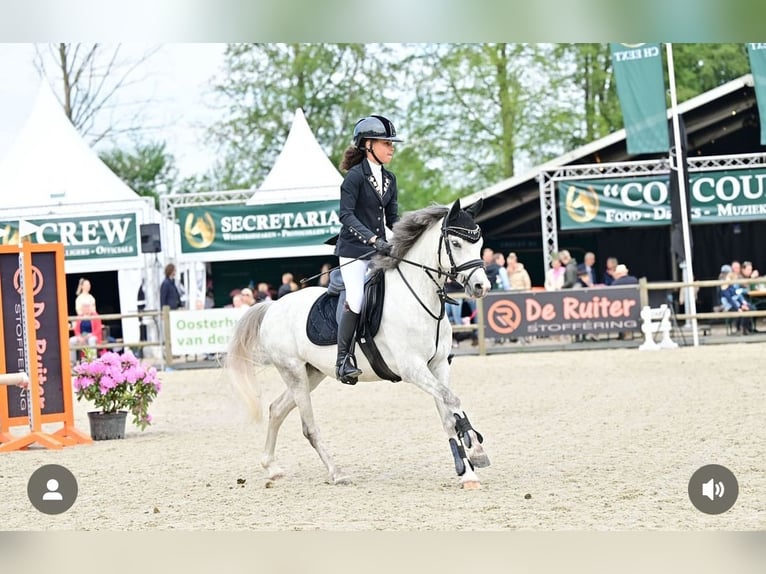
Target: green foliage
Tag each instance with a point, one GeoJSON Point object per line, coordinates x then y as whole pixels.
{"type": "Point", "coordinates": [148, 169]}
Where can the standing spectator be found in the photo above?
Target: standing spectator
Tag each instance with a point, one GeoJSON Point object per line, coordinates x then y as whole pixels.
{"type": "Point", "coordinates": [324, 277]}
{"type": "Point", "coordinates": [285, 287]}
{"type": "Point", "coordinates": [246, 297]}
{"type": "Point", "coordinates": [554, 278]}
{"type": "Point", "coordinates": [88, 330]}
{"type": "Point", "coordinates": [518, 278]}
{"type": "Point", "coordinates": [83, 296]}
{"type": "Point", "coordinates": [570, 269]}
{"type": "Point", "coordinates": [502, 273]}
{"type": "Point", "coordinates": [169, 294]}
{"type": "Point", "coordinates": [264, 292]}
{"type": "Point", "coordinates": [622, 277]}
{"type": "Point", "coordinates": [590, 265]}
{"type": "Point", "coordinates": [611, 263]}
{"type": "Point", "coordinates": [490, 267]}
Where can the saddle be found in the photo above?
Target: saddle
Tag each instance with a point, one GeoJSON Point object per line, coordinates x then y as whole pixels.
{"type": "Point", "coordinates": [324, 316]}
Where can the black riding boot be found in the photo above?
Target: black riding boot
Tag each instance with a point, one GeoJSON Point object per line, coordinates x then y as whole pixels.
{"type": "Point", "coordinates": [346, 370]}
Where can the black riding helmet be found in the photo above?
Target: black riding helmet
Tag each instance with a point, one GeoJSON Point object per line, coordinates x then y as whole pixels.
{"type": "Point", "coordinates": [374, 128]}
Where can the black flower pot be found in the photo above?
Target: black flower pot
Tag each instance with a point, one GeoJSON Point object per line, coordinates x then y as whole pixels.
{"type": "Point", "coordinates": [107, 426]}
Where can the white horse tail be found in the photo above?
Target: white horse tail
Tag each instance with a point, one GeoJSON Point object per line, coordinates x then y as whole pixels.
{"type": "Point", "coordinates": [244, 353]}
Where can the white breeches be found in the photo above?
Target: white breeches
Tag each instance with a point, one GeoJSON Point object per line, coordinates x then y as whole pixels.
{"type": "Point", "coordinates": [354, 274]}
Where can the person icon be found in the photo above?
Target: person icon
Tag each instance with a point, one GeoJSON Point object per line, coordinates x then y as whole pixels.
{"type": "Point", "coordinates": [53, 493]}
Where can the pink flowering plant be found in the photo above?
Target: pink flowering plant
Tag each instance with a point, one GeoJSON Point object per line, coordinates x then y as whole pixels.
{"type": "Point", "coordinates": [114, 382]}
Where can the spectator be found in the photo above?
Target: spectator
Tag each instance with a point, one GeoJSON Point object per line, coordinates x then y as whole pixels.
{"type": "Point", "coordinates": [264, 293]}
{"type": "Point", "coordinates": [570, 269]}
{"type": "Point", "coordinates": [285, 287]}
{"type": "Point", "coordinates": [590, 265]}
{"type": "Point", "coordinates": [490, 267]}
{"type": "Point", "coordinates": [611, 263]}
{"type": "Point", "coordinates": [736, 268]}
{"type": "Point", "coordinates": [169, 294]}
{"type": "Point", "coordinates": [583, 277]}
{"type": "Point", "coordinates": [83, 296]}
{"type": "Point", "coordinates": [554, 278]}
{"type": "Point", "coordinates": [622, 277]}
{"type": "Point", "coordinates": [502, 272]}
{"type": "Point", "coordinates": [324, 278]}
{"type": "Point", "coordinates": [749, 273]}
{"type": "Point", "coordinates": [88, 330]}
{"type": "Point", "coordinates": [246, 297]}
{"type": "Point", "coordinates": [518, 278]}
{"type": "Point", "coordinates": [733, 299]}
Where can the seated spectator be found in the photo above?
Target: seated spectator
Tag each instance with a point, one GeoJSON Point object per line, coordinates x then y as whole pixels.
{"type": "Point", "coordinates": [733, 299]}
{"type": "Point", "coordinates": [518, 278]}
{"type": "Point", "coordinates": [749, 273]}
{"type": "Point", "coordinates": [88, 330]}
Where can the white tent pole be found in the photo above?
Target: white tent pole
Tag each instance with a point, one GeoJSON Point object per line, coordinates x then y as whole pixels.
{"type": "Point", "coordinates": [688, 271]}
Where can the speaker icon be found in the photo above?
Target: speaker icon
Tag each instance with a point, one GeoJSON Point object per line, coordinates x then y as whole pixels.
{"type": "Point", "coordinates": [713, 489]}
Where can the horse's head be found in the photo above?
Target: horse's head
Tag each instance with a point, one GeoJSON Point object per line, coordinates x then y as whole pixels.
{"type": "Point", "coordinates": [461, 243]}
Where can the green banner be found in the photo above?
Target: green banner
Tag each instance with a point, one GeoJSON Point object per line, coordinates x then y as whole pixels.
{"type": "Point", "coordinates": [232, 227]}
{"type": "Point", "coordinates": [97, 237]}
{"type": "Point", "coordinates": [641, 91]}
{"type": "Point", "coordinates": [716, 197]}
{"type": "Point", "coordinates": [757, 54]}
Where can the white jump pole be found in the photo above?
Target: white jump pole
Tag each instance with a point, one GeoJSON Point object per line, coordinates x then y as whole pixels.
{"type": "Point", "coordinates": [19, 379]}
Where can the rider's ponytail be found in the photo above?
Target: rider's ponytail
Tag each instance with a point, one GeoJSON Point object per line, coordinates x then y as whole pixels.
{"type": "Point", "coordinates": [351, 157]}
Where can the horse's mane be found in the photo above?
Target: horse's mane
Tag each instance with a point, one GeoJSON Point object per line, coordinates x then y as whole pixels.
{"type": "Point", "coordinates": [407, 231]}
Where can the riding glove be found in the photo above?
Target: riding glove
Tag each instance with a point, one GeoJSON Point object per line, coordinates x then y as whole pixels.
{"type": "Point", "coordinates": [382, 246]}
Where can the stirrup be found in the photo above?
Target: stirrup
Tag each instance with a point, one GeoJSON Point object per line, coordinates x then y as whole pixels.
{"type": "Point", "coordinates": [347, 372]}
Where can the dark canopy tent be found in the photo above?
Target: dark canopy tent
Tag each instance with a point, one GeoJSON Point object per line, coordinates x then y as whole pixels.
{"type": "Point", "coordinates": [723, 121]}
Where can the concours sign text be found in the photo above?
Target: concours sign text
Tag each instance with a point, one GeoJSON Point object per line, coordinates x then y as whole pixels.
{"type": "Point", "coordinates": [569, 312]}
{"type": "Point", "coordinates": [716, 197]}
{"type": "Point", "coordinates": [233, 227]}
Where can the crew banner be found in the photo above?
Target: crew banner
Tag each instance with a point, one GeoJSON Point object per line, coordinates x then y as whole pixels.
{"type": "Point", "coordinates": [716, 197]}
{"type": "Point", "coordinates": [569, 312]}
{"type": "Point", "coordinates": [757, 54]}
{"type": "Point", "coordinates": [95, 237]}
{"type": "Point", "coordinates": [641, 91]}
{"type": "Point", "coordinates": [233, 227]}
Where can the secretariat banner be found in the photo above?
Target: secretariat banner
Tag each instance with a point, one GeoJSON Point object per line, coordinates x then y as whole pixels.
{"type": "Point", "coordinates": [232, 227]}
{"type": "Point", "coordinates": [641, 91]}
{"type": "Point", "coordinates": [716, 197]}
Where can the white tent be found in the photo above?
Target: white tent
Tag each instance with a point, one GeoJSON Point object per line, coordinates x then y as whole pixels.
{"type": "Point", "coordinates": [50, 173]}
{"type": "Point", "coordinates": [301, 172]}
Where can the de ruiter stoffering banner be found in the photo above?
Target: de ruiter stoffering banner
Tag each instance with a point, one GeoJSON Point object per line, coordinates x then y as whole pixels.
{"type": "Point", "coordinates": [641, 91]}
{"type": "Point", "coordinates": [716, 197]}
{"type": "Point", "coordinates": [757, 54]}
{"type": "Point", "coordinates": [568, 312]}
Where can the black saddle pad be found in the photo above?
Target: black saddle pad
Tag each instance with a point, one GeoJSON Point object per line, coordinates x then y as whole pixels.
{"type": "Point", "coordinates": [322, 322]}
{"type": "Point", "coordinates": [321, 326]}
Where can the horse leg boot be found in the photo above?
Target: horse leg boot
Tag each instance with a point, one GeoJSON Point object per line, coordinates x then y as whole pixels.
{"type": "Point", "coordinates": [346, 370]}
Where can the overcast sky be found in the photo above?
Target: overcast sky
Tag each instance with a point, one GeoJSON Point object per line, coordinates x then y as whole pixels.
{"type": "Point", "coordinates": [176, 79]}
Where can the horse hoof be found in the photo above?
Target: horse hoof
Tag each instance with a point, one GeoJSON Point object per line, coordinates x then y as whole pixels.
{"type": "Point", "coordinates": [480, 460]}
{"type": "Point", "coordinates": [342, 480]}
{"type": "Point", "coordinates": [472, 485]}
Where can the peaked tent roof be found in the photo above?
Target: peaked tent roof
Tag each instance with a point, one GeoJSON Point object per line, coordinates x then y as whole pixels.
{"type": "Point", "coordinates": [50, 164]}
{"type": "Point", "coordinates": [301, 172]}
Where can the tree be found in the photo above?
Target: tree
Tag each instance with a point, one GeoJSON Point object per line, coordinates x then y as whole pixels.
{"type": "Point", "coordinates": [148, 169]}
{"type": "Point", "coordinates": [263, 85]}
{"type": "Point", "coordinates": [87, 79]}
